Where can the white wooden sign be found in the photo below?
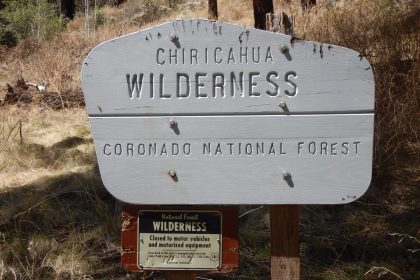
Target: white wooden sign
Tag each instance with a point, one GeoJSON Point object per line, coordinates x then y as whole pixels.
{"type": "Point", "coordinates": [200, 112]}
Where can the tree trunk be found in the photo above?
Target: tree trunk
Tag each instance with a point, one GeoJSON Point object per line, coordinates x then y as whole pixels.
{"type": "Point", "coordinates": [261, 8]}
{"type": "Point", "coordinates": [213, 9]}
{"type": "Point", "coordinates": [307, 3]}
{"type": "Point", "coordinates": [67, 8]}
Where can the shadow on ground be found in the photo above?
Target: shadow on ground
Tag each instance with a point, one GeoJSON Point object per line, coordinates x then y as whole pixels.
{"type": "Point", "coordinates": [54, 220]}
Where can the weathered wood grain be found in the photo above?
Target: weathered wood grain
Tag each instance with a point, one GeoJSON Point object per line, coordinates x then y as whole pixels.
{"type": "Point", "coordinates": [285, 255]}
{"type": "Point", "coordinates": [327, 78]}
{"type": "Point", "coordinates": [328, 176]}
{"type": "Point", "coordinates": [180, 275]}
{"type": "Point", "coordinates": [180, 113]}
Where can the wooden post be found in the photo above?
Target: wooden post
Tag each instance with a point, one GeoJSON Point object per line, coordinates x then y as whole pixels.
{"type": "Point", "coordinates": [261, 8]}
{"type": "Point", "coordinates": [180, 275]}
{"type": "Point", "coordinates": [284, 219]}
{"type": "Point", "coordinates": [269, 24]}
{"type": "Point", "coordinates": [284, 228]}
{"type": "Point", "coordinates": [213, 9]}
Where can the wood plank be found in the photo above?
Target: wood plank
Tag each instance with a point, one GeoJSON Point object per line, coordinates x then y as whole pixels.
{"type": "Point", "coordinates": [261, 8]}
{"type": "Point", "coordinates": [285, 255]}
{"type": "Point", "coordinates": [217, 161]}
{"type": "Point", "coordinates": [199, 72]}
{"type": "Point", "coordinates": [212, 4]}
{"type": "Point", "coordinates": [180, 275]}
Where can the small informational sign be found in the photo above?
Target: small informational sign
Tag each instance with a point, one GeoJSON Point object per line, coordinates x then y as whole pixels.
{"type": "Point", "coordinates": [179, 240]}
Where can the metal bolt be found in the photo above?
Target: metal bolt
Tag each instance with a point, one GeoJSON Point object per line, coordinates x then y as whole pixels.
{"type": "Point", "coordinates": [172, 173]}
{"type": "Point", "coordinates": [141, 240]}
{"type": "Point", "coordinates": [173, 38]}
{"type": "Point", "coordinates": [172, 123]}
{"type": "Point", "coordinates": [282, 104]}
{"type": "Point", "coordinates": [284, 49]}
{"type": "Point", "coordinates": [286, 175]}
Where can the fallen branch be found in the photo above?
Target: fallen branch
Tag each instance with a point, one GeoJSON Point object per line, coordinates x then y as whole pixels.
{"type": "Point", "coordinates": [382, 271]}
{"type": "Point", "coordinates": [250, 211]}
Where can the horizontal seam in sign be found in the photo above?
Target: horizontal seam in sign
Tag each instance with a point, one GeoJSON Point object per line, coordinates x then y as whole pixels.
{"type": "Point", "coordinates": [357, 112]}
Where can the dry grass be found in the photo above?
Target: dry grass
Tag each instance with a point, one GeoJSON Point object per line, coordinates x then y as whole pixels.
{"type": "Point", "coordinates": [37, 142]}
{"type": "Point", "coordinates": [59, 227]}
{"type": "Point", "coordinates": [239, 12]}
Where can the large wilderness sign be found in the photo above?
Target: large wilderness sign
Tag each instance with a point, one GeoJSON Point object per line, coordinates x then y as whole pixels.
{"type": "Point", "coordinates": [201, 112]}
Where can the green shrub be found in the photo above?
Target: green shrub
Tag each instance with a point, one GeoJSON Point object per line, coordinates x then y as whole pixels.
{"type": "Point", "coordinates": [100, 18]}
{"type": "Point", "coordinates": [8, 38]}
{"type": "Point", "coordinates": [37, 18]}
